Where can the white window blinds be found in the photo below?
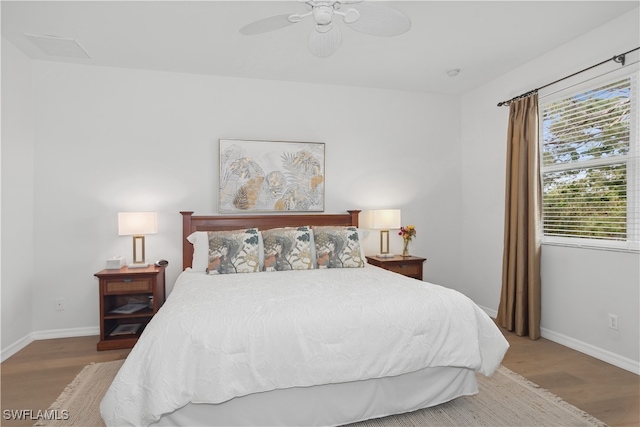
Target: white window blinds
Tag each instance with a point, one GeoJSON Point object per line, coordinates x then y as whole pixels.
{"type": "Point", "coordinates": [589, 167]}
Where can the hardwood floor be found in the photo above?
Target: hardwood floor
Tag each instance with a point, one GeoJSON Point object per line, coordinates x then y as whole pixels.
{"type": "Point", "coordinates": [34, 377]}
{"type": "Point", "coordinates": [607, 392]}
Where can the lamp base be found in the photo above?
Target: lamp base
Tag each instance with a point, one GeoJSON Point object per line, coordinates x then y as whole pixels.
{"type": "Point", "coordinates": [384, 255]}
{"type": "Point", "coordinates": [139, 265]}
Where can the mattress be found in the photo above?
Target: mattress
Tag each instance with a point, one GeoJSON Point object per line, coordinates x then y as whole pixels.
{"type": "Point", "coordinates": [222, 337]}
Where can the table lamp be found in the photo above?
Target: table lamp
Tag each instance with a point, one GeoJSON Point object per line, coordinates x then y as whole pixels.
{"type": "Point", "coordinates": [383, 220]}
{"type": "Point", "coordinates": [137, 224]}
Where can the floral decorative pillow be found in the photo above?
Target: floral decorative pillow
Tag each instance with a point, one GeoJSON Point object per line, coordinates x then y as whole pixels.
{"type": "Point", "coordinates": [233, 251]}
{"type": "Point", "coordinates": [287, 248]}
{"type": "Point", "coordinates": [338, 247]}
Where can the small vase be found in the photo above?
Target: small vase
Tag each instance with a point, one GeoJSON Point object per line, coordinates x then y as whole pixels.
{"type": "Point", "coordinates": [405, 248]}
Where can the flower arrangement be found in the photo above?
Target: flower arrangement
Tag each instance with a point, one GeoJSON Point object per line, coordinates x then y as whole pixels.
{"type": "Point", "coordinates": [407, 233]}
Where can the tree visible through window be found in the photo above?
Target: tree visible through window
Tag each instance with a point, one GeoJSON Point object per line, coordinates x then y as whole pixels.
{"type": "Point", "coordinates": [588, 170]}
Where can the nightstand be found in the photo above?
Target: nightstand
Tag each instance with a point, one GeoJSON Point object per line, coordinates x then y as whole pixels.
{"type": "Point", "coordinates": [410, 266]}
{"type": "Point", "coordinates": [143, 287]}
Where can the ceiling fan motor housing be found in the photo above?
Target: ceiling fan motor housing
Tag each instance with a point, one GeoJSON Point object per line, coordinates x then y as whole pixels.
{"type": "Point", "coordinates": [322, 14]}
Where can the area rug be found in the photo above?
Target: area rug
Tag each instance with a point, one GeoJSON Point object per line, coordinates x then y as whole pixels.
{"type": "Point", "coordinates": [505, 399]}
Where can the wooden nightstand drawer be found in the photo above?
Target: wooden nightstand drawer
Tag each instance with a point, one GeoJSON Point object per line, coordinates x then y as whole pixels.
{"type": "Point", "coordinates": [125, 285]}
{"type": "Point", "coordinates": [410, 266]}
{"type": "Point", "coordinates": [406, 269]}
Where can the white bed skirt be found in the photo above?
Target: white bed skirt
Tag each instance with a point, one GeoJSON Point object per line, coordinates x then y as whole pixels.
{"type": "Point", "coordinates": [332, 404]}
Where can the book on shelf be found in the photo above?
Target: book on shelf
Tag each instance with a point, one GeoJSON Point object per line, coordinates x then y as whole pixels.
{"type": "Point", "coordinates": [125, 329]}
{"type": "Point", "coordinates": [129, 308]}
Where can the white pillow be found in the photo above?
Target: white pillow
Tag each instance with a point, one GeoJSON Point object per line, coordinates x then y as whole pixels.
{"type": "Point", "coordinates": [200, 242]}
{"type": "Point", "coordinates": [313, 248]}
{"type": "Point", "coordinates": [361, 235]}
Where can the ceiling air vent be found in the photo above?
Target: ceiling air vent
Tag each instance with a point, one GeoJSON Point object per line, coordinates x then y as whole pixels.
{"type": "Point", "coordinates": [58, 46]}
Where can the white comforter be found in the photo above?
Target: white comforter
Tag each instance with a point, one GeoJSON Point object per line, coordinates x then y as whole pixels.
{"type": "Point", "coordinates": [218, 337]}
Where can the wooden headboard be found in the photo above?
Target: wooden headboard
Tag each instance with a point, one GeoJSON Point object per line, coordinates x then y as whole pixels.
{"type": "Point", "coordinates": [191, 223]}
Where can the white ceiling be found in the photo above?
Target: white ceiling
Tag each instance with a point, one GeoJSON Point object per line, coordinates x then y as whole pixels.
{"type": "Point", "coordinates": [485, 39]}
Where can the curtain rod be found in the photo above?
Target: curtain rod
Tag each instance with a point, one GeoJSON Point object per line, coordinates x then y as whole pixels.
{"type": "Point", "coordinates": [616, 58]}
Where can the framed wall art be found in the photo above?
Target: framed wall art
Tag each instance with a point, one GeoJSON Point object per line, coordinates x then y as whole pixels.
{"type": "Point", "coordinates": [271, 176]}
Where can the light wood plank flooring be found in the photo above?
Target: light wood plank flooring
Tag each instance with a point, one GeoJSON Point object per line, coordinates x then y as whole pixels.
{"type": "Point", "coordinates": [34, 377]}
{"type": "Point", "coordinates": [607, 392]}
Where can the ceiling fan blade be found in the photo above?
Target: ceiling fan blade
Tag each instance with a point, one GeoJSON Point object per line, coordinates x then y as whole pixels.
{"type": "Point", "coordinates": [324, 44]}
{"type": "Point", "coordinates": [380, 20]}
{"type": "Point", "coordinates": [265, 25]}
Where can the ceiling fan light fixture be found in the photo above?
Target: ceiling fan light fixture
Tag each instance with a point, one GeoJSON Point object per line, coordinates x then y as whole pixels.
{"type": "Point", "coordinates": [324, 28]}
{"type": "Point", "coordinates": [327, 43]}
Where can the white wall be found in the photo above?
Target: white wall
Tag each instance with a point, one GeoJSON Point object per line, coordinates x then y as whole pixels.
{"type": "Point", "coordinates": [110, 140]}
{"type": "Point", "coordinates": [17, 197]}
{"type": "Point", "coordinates": [579, 286]}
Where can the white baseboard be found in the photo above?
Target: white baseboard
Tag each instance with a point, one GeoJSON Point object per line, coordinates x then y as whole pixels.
{"type": "Point", "coordinates": [16, 346]}
{"type": "Point", "coordinates": [591, 350]}
{"type": "Point", "coordinates": [66, 333]}
{"type": "Point", "coordinates": [491, 313]}
{"type": "Point", "coordinates": [47, 335]}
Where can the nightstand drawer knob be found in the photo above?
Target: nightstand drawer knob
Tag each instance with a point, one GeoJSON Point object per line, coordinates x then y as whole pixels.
{"type": "Point", "coordinates": [127, 280]}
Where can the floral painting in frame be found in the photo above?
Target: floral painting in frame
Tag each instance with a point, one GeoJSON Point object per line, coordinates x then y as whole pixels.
{"type": "Point", "coordinates": [271, 176]}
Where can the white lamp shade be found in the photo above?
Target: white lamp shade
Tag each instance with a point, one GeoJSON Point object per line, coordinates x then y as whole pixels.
{"type": "Point", "coordinates": [137, 223]}
{"type": "Point", "coordinates": [382, 219]}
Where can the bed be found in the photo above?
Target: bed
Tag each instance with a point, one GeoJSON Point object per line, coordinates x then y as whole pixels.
{"type": "Point", "coordinates": [318, 346]}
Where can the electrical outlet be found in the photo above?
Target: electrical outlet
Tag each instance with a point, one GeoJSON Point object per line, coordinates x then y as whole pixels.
{"type": "Point", "coordinates": [613, 321]}
{"type": "Point", "coordinates": [59, 303]}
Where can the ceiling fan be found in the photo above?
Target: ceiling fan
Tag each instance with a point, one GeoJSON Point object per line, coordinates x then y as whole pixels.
{"type": "Point", "coordinates": [325, 38]}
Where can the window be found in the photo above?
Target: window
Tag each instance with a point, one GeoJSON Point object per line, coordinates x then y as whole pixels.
{"type": "Point", "coordinates": [589, 167]}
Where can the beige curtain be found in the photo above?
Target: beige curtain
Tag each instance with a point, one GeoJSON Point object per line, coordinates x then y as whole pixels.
{"type": "Point", "coordinates": [519, 308]}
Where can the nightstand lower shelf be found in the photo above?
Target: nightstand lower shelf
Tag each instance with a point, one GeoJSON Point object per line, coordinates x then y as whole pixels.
{"type": "Point", "coordinates": [112, 342]}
